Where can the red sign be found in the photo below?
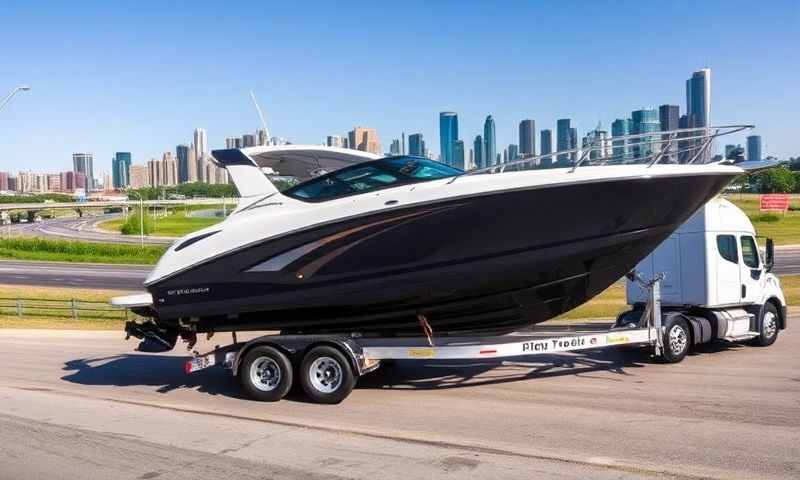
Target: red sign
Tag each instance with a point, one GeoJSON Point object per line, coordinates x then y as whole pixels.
{"type": "Point", "coordinates": [775, 202]}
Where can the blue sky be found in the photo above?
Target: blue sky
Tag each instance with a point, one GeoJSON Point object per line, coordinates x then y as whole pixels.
{"type": "Point", "coordinates": [139, 76]}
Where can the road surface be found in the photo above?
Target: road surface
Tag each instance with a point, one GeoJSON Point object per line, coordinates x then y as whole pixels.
{"type": "Point", "coordinates": [84, 229]}
{"type": "Point", "coordinates": [73, 275]}
{"type": "Point", "coordinates": [84, 405]}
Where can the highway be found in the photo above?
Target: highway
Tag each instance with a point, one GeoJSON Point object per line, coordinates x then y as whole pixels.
{"type": "Point", "coordinates": [125, 277]}
{"type": "Point", "coordinates": [729, 411]}
{"type": "Point", "coordinates": [84, 229]}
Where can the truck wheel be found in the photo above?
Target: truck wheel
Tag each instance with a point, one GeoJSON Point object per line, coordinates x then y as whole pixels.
{"type": "Point", "coordinates": [769, 326]}
{"type": "Point", "coordinates": [676, 341]}
{"type": "Point", "coordinates": [326, 375]}
{"type": "Point", "coordinates": [265, 374]}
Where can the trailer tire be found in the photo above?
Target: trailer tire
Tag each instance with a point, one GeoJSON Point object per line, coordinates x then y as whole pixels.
{"type": "Point", "coordinates": [265, 374]}
{"type": "Point", "coordinates": [769, 326]}
{"type": "Point", "coordinates": [677, 339]}
{"type": "Point", "coordinates": [326, 375]}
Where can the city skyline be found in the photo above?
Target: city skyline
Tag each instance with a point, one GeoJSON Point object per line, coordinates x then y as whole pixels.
{"type": "Point", "coordinates": [174, 79]}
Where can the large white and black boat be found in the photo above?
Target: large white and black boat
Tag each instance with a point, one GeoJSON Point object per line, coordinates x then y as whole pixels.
{"type": "Point", "coordinates": [388, 246]}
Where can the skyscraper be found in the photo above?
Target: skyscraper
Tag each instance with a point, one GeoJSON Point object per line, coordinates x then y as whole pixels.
{"type": "Point", "coordinates": [120, 170]}
{"type": "Point", "coordinates": [230, 142]}
{"type": "Point", "coordinates": [489, 142]}
{"type": "Point", "coordinates": [458, 154]}
{"type": "Point", "coordinates": [334, 141]}
{"type": "Point", "coordinates": [394, 149]}
{"type": "Point", "coordinates": [140, 176]}
{"type": "Point", "coordinates": [573, 143]}
{"type": "Point", "coordinates": [448, 133]}
{"type": "Point", "coordinates": [416, 145]}
{"type": "Point", "coordinates": [513, 152]}
{"type": "Point", "coordinates": [248, 140]}
{"type": "Point", "coordinates": [403, 144]}
{"type": "Point", "coordinates": [365, 139]}
{"type": "Point", "coordinates": [199, 142]}
{"type": "Point", "coordinates": [546, 144]}
{"type": "Point", "coordinates": [597, 141]}
{"type": "Point", "coordinates": [83, 163]}
{"type": "Point", "coordinates": [261, 137]}
{"type": "Point", "coordinates": [563, 127]}
{"type": "Point", "coordinates": [668, 116]}
{"type": "Point", "coordinates": [698, 98]}
{"type": "Point", "coordinates": [527, 137]}
{"type": "Point", "coordinates": [754, 148]}
{"type": "Point", "coordinates": [479, 156]}
{"type": "Point", "coordinates": [4, 181]}
{"type": "Point", "coordinates": [644, 121]}
{"type": "Point", "coordinates": [182, 154]}
{"type": "Point", "coordinates": [620, 151]}
{"type": "Point", "coordinates": [169, 169]}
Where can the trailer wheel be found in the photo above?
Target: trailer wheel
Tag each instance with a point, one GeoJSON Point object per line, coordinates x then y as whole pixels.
{"type": "Point", "coordinates": [265, 374]}
{"type": "Point", "coordinates": [769, 326]}
{"type": "Point", "coordinates": [326, 375]}
{"type": "Point", "coordinates": [676, 341]}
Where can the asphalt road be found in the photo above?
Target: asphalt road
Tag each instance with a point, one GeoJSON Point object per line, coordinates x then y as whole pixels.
{"type": "Point", "coordinates": [83, 405]}
{"type": "Point", "coordinates": [74, 275]}
{"type": "Point", "coordinates": [80, 229]}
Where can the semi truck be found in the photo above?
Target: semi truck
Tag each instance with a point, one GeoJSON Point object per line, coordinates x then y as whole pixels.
{"type": "Point", "coordinates": [707, 282]}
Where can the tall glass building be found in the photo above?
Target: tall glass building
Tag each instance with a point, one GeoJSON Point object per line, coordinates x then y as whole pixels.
{"type": "Point", "coordinates": [546, 144]}
{"type": "Point", "coordinates": [120, 170]}
{"type": "Point", "coordinates": [563, 127]}
{"type": "Point", "coordinates": [513, 152]}
{"type": "Point", "coordinates": [644, 121]}
{"type": "Point", "coordinates": [698, 98]}
{"type": "Point", "coordinates": [619, 128]}
{"type": "Point", "coordinates": [489, 141]}
{"type": "Point", "coordinates": [668, 116]}
{"type": "Point", "coordinates": [84, 163]}
{"type": "Point", "coordinates": [182, 154]}
{"type": "Point", "coordinates": [416, 145]}
{"type": "Point", "coordinates": [754, 148]}
{"type": "Point", "coordinates": [477, 145]}
{"type": "Point", "coordinates": [458, 154]}
{"type": "Point", "coordinates": [527, 138]}
{"type": "Point", "coordinates": [448, 133]}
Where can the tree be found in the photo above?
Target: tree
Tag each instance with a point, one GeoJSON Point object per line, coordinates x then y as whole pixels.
{"type": "Point", "coordinates": [776, 180]}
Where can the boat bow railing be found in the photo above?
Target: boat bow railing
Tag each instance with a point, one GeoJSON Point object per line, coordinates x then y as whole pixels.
{"type": "Point", "coordinates": [683, 145]}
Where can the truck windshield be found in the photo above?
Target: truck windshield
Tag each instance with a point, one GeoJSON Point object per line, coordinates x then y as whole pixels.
{"type": "Point", "coordinates": [369, 176]}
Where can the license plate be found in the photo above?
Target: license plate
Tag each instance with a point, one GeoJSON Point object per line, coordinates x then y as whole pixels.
{"type": "Point", "coordinates": [199, 363]}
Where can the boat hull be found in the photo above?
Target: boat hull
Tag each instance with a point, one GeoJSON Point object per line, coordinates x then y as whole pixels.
{"type": "Point", "coordinates": [489, 263]}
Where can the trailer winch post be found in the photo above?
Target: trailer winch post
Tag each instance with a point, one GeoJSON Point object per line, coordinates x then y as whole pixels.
{"type": "Point", "coordinates": [655, 314]}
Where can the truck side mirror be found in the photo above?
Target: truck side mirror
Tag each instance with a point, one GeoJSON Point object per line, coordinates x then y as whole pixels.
{"type": "Point", "coordinates": [769, 262]}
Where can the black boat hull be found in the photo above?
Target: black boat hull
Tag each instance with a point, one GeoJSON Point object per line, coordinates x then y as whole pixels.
{"type": "Point", "coordinates": [486, 264]}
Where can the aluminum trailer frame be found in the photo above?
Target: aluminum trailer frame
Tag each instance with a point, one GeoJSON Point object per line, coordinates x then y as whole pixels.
{"type": "Point", "coordinates": [357, 355]}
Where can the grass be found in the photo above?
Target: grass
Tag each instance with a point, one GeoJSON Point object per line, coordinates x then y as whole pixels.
{"type": "Point", "coordinates": [53, 319]}
{"type": "Point", "coordinates": [784, 229]}
{"type": "Point", "coordinates": [75, 251]}
{"type": "Point", "coordinates": [176, 224]}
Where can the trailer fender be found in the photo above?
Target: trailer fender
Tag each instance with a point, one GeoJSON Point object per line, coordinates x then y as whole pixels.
{"type": "Point", "coordinates": [699, 328]}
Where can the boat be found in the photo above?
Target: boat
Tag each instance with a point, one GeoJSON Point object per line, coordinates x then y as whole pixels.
{"type": "Point", "coordinates": [404, 245]}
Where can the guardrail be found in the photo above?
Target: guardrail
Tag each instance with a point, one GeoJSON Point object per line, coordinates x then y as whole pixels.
{"type": "Point", "coordinates": [72, 308]}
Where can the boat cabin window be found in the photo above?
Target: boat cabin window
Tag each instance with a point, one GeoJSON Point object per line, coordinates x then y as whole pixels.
{"type": "Point", "coordinates": [368, 176]}
{"type": "Point", "coordinates": [726, 244]}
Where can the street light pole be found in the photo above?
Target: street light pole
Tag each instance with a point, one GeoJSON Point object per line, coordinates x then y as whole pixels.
{"type": "Point", "coordinates": [21, 88]}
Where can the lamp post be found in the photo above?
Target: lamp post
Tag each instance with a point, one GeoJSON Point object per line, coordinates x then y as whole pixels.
{"type": "Point", "coordinates": [21, 88]}
{"type": "Point", "coordinates": [141, 216]}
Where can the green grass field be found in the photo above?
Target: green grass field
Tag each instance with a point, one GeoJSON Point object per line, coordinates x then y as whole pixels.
{"type": "Point", "coordinates": [73, 251]}
{"type": "Point", "coordinates": [176, 224]}
{"type": "Point", "coordinates": [784, 229]}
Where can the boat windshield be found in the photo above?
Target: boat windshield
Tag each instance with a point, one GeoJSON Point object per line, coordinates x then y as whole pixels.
{"type": "Point", "coordinates": [368, 176]}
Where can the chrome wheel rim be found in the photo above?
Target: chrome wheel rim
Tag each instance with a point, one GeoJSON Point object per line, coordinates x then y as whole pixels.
{"type": "Point", "coordinates": [770, 324]}
{"type": "Point", "coordinates": [677, 339]}
{"type": "Point", "coordinates": [325, 374]}
{"type": "Point", "coordinates": [265, 374]}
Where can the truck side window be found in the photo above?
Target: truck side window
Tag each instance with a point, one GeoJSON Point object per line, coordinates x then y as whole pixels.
{"type": "Point", "coordinates": [726, 244]}
{"type": "Point", "coordinates": [749, 252]}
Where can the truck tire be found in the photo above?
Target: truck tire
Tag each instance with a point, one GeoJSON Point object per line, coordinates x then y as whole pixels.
{"type": "Point", "coordinates": [326, 375]}
{"type": "Point", "coordinates": [676, 341]}
{"type": "Point", "coordinates": [769, 326]}
{"type": "Point", "coordinates": [265, 374]}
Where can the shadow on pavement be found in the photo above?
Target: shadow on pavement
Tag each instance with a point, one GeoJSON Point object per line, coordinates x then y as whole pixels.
{"type": "Point", "coordinates": [165, 373]}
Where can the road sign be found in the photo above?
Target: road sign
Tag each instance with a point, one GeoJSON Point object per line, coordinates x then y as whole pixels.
{"type": "Point", "coordinates": [774, 202]}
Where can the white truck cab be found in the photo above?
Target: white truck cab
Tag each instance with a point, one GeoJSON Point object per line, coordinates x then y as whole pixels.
{"type": "Point", "coordinates": [715, 278]}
